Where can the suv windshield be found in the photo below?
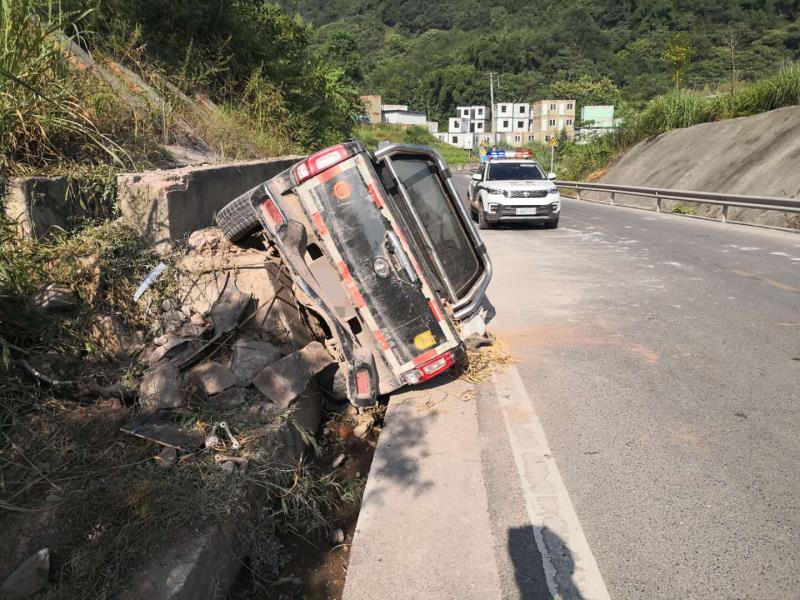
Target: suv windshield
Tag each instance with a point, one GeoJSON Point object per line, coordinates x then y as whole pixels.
{"type": "Point", "coordinates": [437, 216]}
{"type": "Point", "coordinates": [514, 171]}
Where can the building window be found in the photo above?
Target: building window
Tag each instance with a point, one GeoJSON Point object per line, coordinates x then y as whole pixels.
{"type": "Point", "coordinates": [480, 126]}
{"type": "Point", "coordinates": [505, 123]}
{"type": "Point", "coordinates": [517, 138]}
{"type": "Point", "coordinates": [552, 122]}
{"type": "Point", "coordinates": [522, 110]}
{"type": "Point", "coordinates": [569, 121]}
{"type": "Point", "coordinates": [569, 106]}
{"type": "Point", "coordinates": [547, 138]}
{"type": "Point", "coordinates": [552, 107]}
{"type": "Point", "coordinates": [455, 139]}
{"type": "Point", "coordinates": [480, 112]}
{"type": "Point", "coordinates": [520, 124]}
{"type": "Point", "coordinates": [503, 108]}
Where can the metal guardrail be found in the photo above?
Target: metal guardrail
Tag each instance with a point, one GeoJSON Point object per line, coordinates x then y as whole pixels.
{"type": "Point", "coordinates": [659, 194]}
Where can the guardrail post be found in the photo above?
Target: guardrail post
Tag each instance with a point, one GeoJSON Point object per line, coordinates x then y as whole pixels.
{"type": "Point", "coordinates": [613, 194]}
{"type": "Point", "coordinates": [658, 203]}
{"type": "Point", "coordinates": [724, 216]}
{"type": "Point", "coordinates": [577, 193]}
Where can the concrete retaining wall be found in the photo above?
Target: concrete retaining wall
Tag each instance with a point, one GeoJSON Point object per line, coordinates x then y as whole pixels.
{"type": "Point", "coordinates": [40, 204]}
{"type": "Point", "coordinates": [166, 205]}
{"type": "Point", "coordinates": [756, 155]}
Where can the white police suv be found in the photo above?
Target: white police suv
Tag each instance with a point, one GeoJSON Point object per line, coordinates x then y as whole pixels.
{"type": "Point", "coordinates": [513, 191]}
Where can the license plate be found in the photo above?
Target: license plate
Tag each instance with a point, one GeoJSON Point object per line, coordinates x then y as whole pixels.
{"type": "Point", "coordinates": [526, 211]}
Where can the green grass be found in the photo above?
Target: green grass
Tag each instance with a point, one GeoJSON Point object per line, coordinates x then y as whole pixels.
{"type": "Point", "coordinates": [682, 209]}
{"type": "Point", "coordinates": [372, 135]}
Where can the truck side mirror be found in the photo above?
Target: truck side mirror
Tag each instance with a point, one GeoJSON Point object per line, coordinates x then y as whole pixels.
{"type": "Point", "coordinates": [477, 177]}
{"type": "Point", "coordinates": [551, 176]}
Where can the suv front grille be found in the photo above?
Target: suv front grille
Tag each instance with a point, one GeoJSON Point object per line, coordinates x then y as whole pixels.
{"type": "Point", "coordinates": [512, 210]}
{"type": "Point", "coordinates": [527, 194]}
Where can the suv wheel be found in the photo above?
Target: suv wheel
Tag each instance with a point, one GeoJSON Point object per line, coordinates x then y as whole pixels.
{"type": "Point", "coordinates": [482, 222]}
{"type": "Point", "coordinates": [238, 218]}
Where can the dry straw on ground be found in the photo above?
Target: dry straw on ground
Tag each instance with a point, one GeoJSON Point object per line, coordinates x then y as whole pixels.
{"type": "Point", "coordinates": [478, 366]}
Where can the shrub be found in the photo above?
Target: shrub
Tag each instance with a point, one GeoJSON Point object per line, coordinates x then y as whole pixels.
{"type": "Point", "coordinates": [779, 90]}
{"type": "Point", "coordinates": [678, 108]}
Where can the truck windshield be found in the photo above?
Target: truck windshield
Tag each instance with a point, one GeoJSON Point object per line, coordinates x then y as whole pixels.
{"type": "Point", "coordinates": [514, 171]}
{"type": "Point", "coordinates": [437, 216]}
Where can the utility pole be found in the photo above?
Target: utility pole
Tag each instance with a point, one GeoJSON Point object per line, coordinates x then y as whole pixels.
{"type": "Point", "coordinates": [731, 39]}
{"type": "Point", "coordinates": [491, 109]}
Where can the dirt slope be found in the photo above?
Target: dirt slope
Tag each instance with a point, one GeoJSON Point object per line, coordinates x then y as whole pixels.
{"type": "Point", "coordinates": [757, 155]}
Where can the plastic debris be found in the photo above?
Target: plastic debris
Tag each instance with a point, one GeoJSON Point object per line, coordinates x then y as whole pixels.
{"type": "Point", "coordinates": [149, 280]}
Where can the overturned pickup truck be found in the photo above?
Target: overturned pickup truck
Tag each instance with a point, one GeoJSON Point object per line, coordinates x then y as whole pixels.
{"type": "Point", "coordinates": [385, 261]}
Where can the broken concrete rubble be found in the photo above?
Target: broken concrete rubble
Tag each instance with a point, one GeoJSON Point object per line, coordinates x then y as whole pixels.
{"type": "Point", "coordinates": [168, 344]}
{"type": "Point", "coordinates": [108, 333]}
{"type": "Point", "coordinates": [213, 377]}
{"type": "Point", "coordinates": [227, 310]}
{"type": "Point", "coordinates": [363, 426]}
{"type": "Point", "coordinates": [285, 380]}
{"type": "Point", "coordinates": [29, 578]}
{"type": "Point", "coordinates": [251, 356]}
{"type": "Point", "coordinates": [245, 316]}
{"type": "Point", "coordinates": [161, 387]}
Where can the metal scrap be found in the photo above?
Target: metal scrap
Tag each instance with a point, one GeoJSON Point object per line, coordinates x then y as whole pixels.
{"type": "Point", "coordinates": [155, 428]}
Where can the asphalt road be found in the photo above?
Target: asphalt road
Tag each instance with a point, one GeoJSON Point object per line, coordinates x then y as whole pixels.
{"type": "Point", "coordinates": [661, 355]}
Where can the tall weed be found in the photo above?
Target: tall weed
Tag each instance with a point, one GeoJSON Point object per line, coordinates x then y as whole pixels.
{"type": "Point", "coordinates": [42, 117]}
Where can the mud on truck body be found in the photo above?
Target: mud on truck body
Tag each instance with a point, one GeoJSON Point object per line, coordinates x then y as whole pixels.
{"type": "Point", "coordinates": [385, 260]}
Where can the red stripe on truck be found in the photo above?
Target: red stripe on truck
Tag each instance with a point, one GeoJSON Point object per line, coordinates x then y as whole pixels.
{"type": "Point", "coordinates": [319, 223]}
{"type": "Point", "coordinates": [373, 190]}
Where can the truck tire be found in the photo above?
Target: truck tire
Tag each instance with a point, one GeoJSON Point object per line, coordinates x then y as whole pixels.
{"type": "Point", "coordinates": [238, 218]}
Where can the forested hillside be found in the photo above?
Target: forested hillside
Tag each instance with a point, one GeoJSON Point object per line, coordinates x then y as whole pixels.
{"type": "Point", "coordinates": [434, 55]}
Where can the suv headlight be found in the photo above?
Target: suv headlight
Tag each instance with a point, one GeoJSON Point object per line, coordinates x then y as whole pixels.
{"type": "Point", "coordinates": [552, 190]}
{"type": "Point", "coordinates": [494, 191]}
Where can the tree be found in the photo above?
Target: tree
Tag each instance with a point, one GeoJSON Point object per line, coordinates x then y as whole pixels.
{"type": "Point", "coordinates": [341, 50]}
{"type": "Point", "coordinates": [586, 90]}
{"type": "Point", "coordinates": [677, 54]}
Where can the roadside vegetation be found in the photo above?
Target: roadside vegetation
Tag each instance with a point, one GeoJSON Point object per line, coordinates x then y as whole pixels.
{"type": "Point", "coordinates": [243, 82]}
{"type": "Point", "coordinates": [372, 135]}
{"type": "Point", "coordinates": [435, 56]}
{"type": "Point", "coordinates": [676, 109]}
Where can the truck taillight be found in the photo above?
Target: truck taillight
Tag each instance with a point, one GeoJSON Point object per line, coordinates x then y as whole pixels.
{"type": "Point", "coordinates": [430, 369]}
{"type": "Point", "coordinates": [316, 163]}
{"type": "Point", "coordinates": [363, 387]}
{"type": "Point", "coordinates": [272, 211]}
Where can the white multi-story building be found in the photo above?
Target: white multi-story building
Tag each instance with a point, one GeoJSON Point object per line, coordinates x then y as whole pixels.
{"type": "Point", "coordinates": [458, 133]}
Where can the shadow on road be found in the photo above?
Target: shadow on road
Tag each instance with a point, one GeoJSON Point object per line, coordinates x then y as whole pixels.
{"type": "Point", "coordinates": [529, 572]}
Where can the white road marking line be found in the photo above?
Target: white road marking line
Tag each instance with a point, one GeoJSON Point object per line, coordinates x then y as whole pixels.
{"type": "Point", "coordinates": [547, 500]}
{"type": "Point", "coordinates": [779, 254]}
